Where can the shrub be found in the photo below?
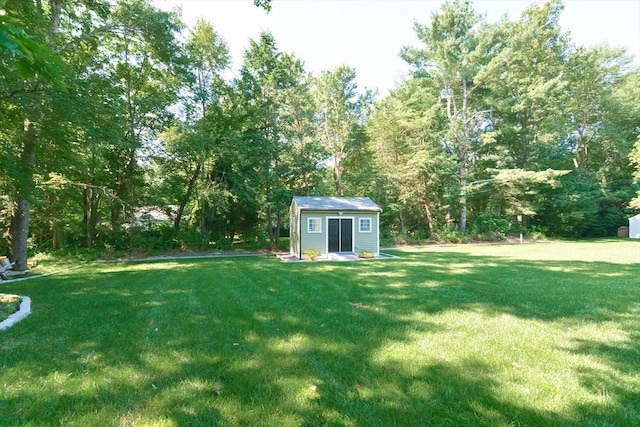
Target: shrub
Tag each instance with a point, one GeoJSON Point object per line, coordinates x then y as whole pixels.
{"type": "Point", "coordinates": [536, 233]}
{"type": "Point", "coordinates": [311, 254]}
{"type": "Point", "coordinates": [451, 235]}
{"type": "Point", "coordinates": [490, 226]}
{"type": "Point", "coordinates": [366, 254]}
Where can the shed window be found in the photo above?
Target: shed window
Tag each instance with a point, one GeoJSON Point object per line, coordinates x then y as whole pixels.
{"type": "Point", "coordinates": [365, 225]}
{"type": "Point", "coordinates": [314, 225]}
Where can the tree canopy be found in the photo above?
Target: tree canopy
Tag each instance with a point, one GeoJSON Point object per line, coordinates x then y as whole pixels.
{"type": "Point", "coordinates": [112, 110]}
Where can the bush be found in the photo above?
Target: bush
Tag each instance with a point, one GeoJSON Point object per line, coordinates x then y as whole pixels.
{"type": "Point", "coordinates": [491, 225]}
{"type": "Point", "coordinates": [451, 235]}
{"type": "Point", "coordinates": [535, 233]}
{"type": "Point", "coordinates": [157, 237]}
{"type": "Point", "coordinates": [366, 254]}
{"type": "Point", "coordinates": [311, 254]}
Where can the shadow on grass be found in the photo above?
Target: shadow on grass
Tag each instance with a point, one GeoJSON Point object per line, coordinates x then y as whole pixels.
{"type": "Point", "coordinates": [253, 341]}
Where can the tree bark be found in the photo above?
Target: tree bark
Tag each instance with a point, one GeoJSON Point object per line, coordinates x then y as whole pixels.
{"type": "Point", "coordinates": [56, 9]}
{"type": "Point", "coordinates": [278, 224]}
{"type": "Point", "coordinates": [19, 233]}
{"type": "Point", "coordinates": [57, 235]}
{"type": "Point", "coordinates": [462, 226]}
{"type": "Point", "coordinates": [337, 171]}
{"type": "Point", "coordinates": [20, 210]}
{"type": "Point", "coordinates": [185, 199]}
{"type": "Point", "coordinates": [91, 214]}
{"type": "Point", "coordinates": [427, 211]}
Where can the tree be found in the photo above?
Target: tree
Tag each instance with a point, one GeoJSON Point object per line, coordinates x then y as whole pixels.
{"type": "Point", "coordinates": [265, 4]}
{"type": "Point", "coordinates": [409, 159]}
{"type": "Point", "coordinates": [269, 80]}
{"type": "Point", "coordinates": [143, 67]}
{"type": "Point", "coordinates": [455, 49]}
{"type": "Point", "coordinates": [304, 155]}
{"type": "Point", "coordinates": [528, 119]}
{"type": "Point", "coordinates": [190, 144]}
{"type": "Point", "coordinates": [23, 87]}
{"type": "Point", "coordinates": [340, 110]}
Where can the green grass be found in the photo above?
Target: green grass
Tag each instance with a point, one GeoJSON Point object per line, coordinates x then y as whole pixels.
{"type": "Point", "coordinates": [534, 334]}
{"type": "Point", "coordinates": [9, 304]}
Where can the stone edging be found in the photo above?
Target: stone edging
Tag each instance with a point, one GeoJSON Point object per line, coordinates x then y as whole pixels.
{"type": "Point", "coordinates": [25, 310]}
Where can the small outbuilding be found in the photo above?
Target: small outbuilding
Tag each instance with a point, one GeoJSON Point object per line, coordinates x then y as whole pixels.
{"type": "Point", "coordinates": [634, 227]}
{"type": "Point", "coordinates": [334, 225]}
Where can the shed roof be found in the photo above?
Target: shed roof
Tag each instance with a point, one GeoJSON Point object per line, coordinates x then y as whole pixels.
{"type": "Point", "coordinates": [336, 203]}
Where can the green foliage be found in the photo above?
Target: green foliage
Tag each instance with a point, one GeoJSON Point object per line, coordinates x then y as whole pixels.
{"type": "Point", "coordinates": [341, 110]}
{"type": "Point", "coordinates": [28, 57]}
{"type": "Point", "coordinates": [152, 238]}
{"type": "Point", "coordinates": [451, 235]}
{"type": "Point", "coordinates": [489, 226]}
{"type": "Point", "coordinates": [485, 125]}
{"type": "Point", "coordinates": [265, 4]}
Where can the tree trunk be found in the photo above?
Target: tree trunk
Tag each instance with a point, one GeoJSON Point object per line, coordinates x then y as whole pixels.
{"type": "Point", "coordinates": [185, 199]}
{"type": "Point", "coordinates": [57, 235]}
{"type": "Point", "coordinates": [337, 171]}
{"type": "Point", "coordinates": [57, 231]}
{"type": "Point", "coordinates": [56, 9]}
{"type": "Point", "coordinates": [427, 211]}
{"type": "Point", "coordinates": [278, 224]}
{"type": "Point", "coordinates": [464, 158]}
{"type": "Point", "coordinates": [462, 226]}
{"type": "Point", "coordinates": [19, 227]}
{"type": "Point", "coordinates": [90, 214]}
{"type": "Point", "coordinates": [270, 225]}
{"type": "Point", "coordinates": [19, 233]}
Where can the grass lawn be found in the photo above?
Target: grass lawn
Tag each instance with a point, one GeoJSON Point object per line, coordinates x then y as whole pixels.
{"type": "Point", "coordinates": [534, 334]}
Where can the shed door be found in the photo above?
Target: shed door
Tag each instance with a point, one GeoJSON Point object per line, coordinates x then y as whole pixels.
{"type": "Point", "coordinates": [339, 234]}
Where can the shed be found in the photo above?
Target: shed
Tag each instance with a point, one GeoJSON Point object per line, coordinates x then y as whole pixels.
{"type": "Point", "coordinates": [334, 225]}
{"type": "Point", "coordinates": [634, 227]}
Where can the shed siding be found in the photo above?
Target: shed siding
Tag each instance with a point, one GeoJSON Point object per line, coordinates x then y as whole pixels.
{"type": "Point", "coordinates": [363, 241]}
{"type": "Point", "coordinates": [324, 208]}
{"type": "Point", "coordinates": [317, 241]}
{"type": "Point", "coordinates": [366, 241]}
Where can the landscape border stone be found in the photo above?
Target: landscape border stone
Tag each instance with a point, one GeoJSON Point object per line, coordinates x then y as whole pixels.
{"type": "Point", "coordinates": [24, 311]}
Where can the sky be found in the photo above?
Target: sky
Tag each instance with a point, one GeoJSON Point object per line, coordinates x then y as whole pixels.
{"type": "Point", "coordinates": [368, 34]}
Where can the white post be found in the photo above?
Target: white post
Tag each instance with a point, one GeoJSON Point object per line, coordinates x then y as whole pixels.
{"type": "Point", "coordinates": [520, 222]}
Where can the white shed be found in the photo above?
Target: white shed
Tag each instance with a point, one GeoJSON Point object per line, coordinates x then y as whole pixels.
{"type": "Point", "coordinates": [634, 227]}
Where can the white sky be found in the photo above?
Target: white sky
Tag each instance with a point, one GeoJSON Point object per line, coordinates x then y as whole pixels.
{"type": "Point", "coordinates": [368, 34]}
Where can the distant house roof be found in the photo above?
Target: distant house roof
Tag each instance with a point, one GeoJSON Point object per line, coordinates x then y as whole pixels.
{"type": "Point", "coordinates": [336, 203]}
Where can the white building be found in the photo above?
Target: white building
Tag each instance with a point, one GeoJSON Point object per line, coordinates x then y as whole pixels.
{"type": "Point", "coordinates": [634, 227]}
